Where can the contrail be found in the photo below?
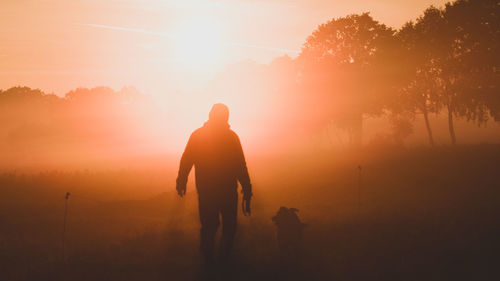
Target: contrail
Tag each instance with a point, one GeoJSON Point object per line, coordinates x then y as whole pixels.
{"type": "Point", "coordinates": [127, 29]}
{"type": "Point", "coordinates": [167, 35]}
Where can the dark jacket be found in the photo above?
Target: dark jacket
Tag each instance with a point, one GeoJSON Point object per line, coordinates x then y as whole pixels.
{"type": "Point", "coordinates": [215, 151]}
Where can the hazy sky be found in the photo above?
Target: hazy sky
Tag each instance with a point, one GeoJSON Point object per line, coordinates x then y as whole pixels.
{"type": "Point", "coordinates": [161, 46]}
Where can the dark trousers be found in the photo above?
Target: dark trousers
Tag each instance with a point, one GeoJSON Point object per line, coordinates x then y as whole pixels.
{"type": "Point", "coordinates": [211, 205]}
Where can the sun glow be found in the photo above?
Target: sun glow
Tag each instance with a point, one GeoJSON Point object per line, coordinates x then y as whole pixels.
{"type": "Point", "coordinates": [200, 44]}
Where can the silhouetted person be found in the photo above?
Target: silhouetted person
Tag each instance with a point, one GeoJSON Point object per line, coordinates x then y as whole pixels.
{"type": "Point", "coordinates": [216, 153]}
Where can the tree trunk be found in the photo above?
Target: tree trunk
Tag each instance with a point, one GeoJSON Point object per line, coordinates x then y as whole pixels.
{"type": "Point", "coordinates": [355, 129]}
{"type": "Point", "coordinates": [428, 126]}
{"type": "Point", "coordinates": [358, 130]}
{"type": "Point", "coordinates": [450, 126]}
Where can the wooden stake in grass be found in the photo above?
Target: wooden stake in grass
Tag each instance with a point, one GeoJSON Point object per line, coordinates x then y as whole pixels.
{"type": "Point", "coordinates": [64, 224]}
{"type": "Point", "coordinates": [359, 188]}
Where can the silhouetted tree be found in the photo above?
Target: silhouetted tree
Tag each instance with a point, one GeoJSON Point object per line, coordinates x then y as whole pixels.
{"type": "Point", "coordinates": [452, 58]}
{"type": "Point", "coordinates": [345, 66]}
{"type": "Point", "coordinates": [471, 69]}
{"type": "Point", "coordinates": [401, 127]}
{"type": "Point", "coordinates": [420, 42]}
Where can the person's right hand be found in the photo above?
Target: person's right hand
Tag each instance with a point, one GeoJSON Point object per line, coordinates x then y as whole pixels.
{"type": "Point", "coordinates": [181, 189]}
{"type": "Point", "coordinates": [245, 204]}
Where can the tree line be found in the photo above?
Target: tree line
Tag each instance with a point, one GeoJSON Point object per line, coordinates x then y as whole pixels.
{"type": "Point", "coordinates": [447, 60]}
{"type": "Point", "coordinates": [97, 123]}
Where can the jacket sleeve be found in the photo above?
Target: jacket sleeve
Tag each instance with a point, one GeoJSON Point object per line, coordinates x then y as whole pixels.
{"type": "Point", "coordinates": [187, 161]}
{"type": "Point", "coordinates": [242, 172]}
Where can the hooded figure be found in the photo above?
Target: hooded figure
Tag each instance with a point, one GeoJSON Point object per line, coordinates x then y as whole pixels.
{"type": "Point", "coordinates": [215, 151]}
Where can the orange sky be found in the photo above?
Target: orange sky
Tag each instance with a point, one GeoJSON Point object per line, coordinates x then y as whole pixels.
{"type": "Point", "coordinates": [58, 45]}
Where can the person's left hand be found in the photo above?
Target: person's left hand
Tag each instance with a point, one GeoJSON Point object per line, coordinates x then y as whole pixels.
{"type": "Point", "coordinates": [181, 189]}
{"type": "Point", "coordinates": [245, 204]}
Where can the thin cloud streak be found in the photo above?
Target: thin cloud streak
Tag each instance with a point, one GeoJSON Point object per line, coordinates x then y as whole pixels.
{"type": "Point", "coordinates": [167, 35]}
{"type": "Point", "coordinates": [127, 29]}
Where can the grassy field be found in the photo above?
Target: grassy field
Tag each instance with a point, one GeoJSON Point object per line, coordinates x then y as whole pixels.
{"type": "Point", "coordinates": [408, 214]}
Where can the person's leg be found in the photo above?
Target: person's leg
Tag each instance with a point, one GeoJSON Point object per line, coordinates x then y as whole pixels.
{"type": "Point", "coordinates": [229, 212]}
{"type": "Point", "coordinates": [209, 218]}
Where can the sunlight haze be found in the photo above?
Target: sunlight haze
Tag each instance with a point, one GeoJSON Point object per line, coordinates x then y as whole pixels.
{"type": "Point", "coordinates": [61, 45]}
{"type": "Point", "coordinates": [237, 140]}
